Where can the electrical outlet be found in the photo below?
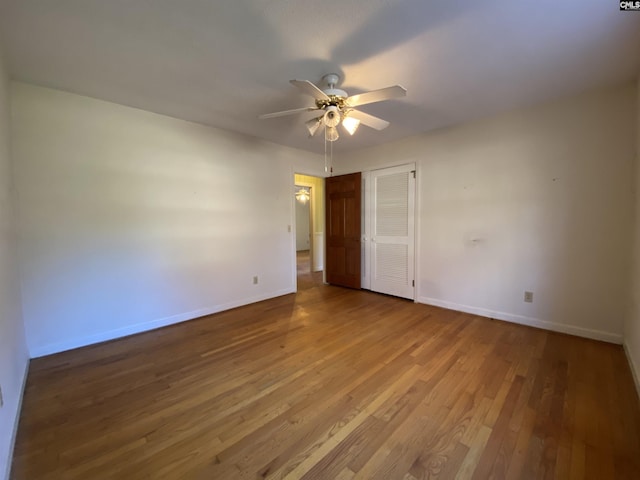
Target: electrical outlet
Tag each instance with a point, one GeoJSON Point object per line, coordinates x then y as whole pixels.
{"type": "Point", "coordinates": [528, 297]}
{"type": "Point", "coordinates": [255, 280]}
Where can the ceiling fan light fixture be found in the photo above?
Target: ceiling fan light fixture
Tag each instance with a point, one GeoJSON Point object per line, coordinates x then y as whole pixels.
{"type": "Point", "coordinates": [335, 106]}
{"type": "Point", "coordinates": [313, 125]}
{"type": "Point", "coordinates": [302, 195]}
{"type": "Point", "coordinates": [332, 116]}
{"type": "Point", "coordinates": [331, 134]}
{"type": "Point", "coordinates": [350, 124]}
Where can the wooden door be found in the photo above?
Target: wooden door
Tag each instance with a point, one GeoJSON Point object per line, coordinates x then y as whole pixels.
{"type": "Point", "coordinates": [343, 199]}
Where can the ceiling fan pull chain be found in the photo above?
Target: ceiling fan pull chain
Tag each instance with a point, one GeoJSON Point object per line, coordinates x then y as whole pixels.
{"type": "Point", "coordinates": [331, 159]}
{"type": "Point", "coordinates": [326, 166]}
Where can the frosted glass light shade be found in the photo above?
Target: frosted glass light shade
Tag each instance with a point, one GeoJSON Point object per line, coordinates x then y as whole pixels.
{"type": "Point", "coordinates": [331, 134]}
{"type": "Point", "coordinates": [313, 125]}
{"type": "Point", "coordinates": [350, 124]}
{"type": "Point", "coordinates": [332, 116]}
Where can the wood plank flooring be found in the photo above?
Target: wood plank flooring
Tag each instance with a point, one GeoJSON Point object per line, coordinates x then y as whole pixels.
{"type": "Point", "coordinates": [333, 384]}
{"type": "Point", "coordinates": [306, 278]}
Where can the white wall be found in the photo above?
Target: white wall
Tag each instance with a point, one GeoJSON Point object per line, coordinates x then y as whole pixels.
{"type": "Point", "coordinates": [632, 326]}
{"type": "Point", "coordinates": [302, 226]}
{"type": "Point", "coordinates": [131, 220]}
{"type": "Point", "coordinates": [14, 357]}
{"type": "Point", "coordinates": [546, 192]}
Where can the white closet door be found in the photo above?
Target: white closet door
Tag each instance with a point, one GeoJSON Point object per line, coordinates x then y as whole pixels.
{"type": "Point", "coordinates": [392, 228]}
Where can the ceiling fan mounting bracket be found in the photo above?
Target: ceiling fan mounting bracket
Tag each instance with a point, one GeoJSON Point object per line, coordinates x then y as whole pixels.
{"type": "Point", "coordinates": [331, 79]}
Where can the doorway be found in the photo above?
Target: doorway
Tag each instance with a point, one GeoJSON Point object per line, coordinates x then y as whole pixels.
{"type": "Point", "coordinates": [372, 247]}
{"type": "Point", "coordinates": [309, 230]}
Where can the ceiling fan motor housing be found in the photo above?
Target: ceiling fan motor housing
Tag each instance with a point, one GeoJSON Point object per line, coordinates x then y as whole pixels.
{"type": "Point", "coordinates": [336, 96]}
{"type": "Point", "coordinates": [335, 92]}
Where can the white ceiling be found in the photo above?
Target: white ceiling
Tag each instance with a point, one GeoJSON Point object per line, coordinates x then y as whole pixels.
{"type": "Point", "coordinates": [223, 62]}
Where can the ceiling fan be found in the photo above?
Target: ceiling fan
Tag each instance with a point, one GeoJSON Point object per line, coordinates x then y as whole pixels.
{"type": "Point", "coordinates": [336, 107]}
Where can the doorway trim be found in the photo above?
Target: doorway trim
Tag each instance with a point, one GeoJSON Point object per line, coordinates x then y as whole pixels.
{"type": "Point", "coordinates": [312, 204]}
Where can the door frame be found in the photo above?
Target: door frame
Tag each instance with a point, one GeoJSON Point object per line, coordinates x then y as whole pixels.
{"type": "Point", "coordinates": [292, 226]}
{"type": "Point", "coordinates": [312, 203]}
{"type": "Point", "coordinates": [365, 197]}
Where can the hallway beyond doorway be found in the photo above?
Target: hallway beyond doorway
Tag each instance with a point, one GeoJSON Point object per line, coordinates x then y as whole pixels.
{"type": "Point", "coordinates": [306, 278]}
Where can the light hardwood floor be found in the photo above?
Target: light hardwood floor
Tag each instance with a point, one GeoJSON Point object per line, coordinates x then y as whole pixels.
{"type": "Point", "coordinates": [333, 384]}
{"type": "Point", "coordinates": [306, 278]}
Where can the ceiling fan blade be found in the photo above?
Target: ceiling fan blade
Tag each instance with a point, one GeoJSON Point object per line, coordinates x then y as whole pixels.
{"type": "Point", "coordinates": [376, 96]}
{"type": "Point", "coordinates": [305, 86]}
{"type": "Point", "coordinates": [369, 120]}
{"type": "Point", "coordinates": [287, 112]}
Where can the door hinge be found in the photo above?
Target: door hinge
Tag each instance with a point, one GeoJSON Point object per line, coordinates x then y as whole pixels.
{"type": "Point", "coordinates": [413, 172]}
{"type": "Point", "coordinates": [413, 283]}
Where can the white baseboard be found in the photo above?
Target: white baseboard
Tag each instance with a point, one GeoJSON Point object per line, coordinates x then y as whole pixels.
{"type": "Point", "coordinates": [50, 349]}
{"type": "Point", "coordinates": [635, 367]}
{"type": "Point", "coordinates": [532, 322]}
{"type": "Point", "coordinates": [16, 421]}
